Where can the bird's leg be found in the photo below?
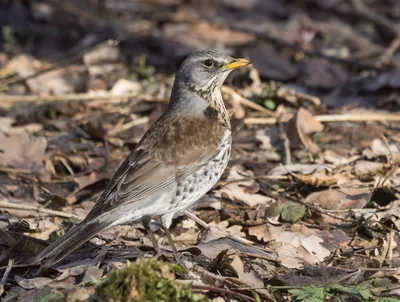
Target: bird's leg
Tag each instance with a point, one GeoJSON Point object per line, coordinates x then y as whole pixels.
{"type": "Point", "coordinates": [146, 223]}
{"type": "Point", "coordinates": [172, 244]}
{"type": "Point", "coordinates": [205, 231]}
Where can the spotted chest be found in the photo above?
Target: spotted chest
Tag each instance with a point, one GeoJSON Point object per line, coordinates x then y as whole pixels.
{"type": "Point", "coordinates": [196, 185]}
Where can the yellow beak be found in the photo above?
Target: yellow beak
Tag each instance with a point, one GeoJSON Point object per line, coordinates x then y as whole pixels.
{"type": "Point", "coordinates": [237, 63]}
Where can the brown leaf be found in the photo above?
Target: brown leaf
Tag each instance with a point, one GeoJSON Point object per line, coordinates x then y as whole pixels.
{"type": "Point", "coordinates": [297, 249]}
{"type": "Point", "coordinates": [32, 283]}
{"type": "Point", "coordinates": [266, 232]}
{"type": "Point", "coordinates": [220, 230]}
{"type": "Point", "coordinates": [345, 198]}
{"type": "Point", "coordinates": [21, 150]}
{"type": "Point", "coordinates": [126, 86]}
{"type": "Point", "coordinates": [299, 128]}
{"type": "Point", "coordinates": [238, 190]}
{"type": "Point", "coordinates": [250, 278]}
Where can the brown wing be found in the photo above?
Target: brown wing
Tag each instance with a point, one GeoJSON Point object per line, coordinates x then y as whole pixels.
{"type": "Point", "coordinates": [174, 147]}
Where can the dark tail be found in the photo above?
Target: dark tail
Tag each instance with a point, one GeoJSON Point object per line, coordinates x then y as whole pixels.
{"type": "Point", "coordinates": [65, 245]}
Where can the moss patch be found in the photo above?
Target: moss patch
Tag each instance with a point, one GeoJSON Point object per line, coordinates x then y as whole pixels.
{"type": "Point", "coordinates": [145, 280]}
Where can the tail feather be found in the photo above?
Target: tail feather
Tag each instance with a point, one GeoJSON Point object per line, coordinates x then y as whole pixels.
{"type": "Point", "coordinates": [65, 245]}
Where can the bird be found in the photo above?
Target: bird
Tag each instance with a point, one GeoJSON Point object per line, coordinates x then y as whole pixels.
{"type": "Point", "coordinates": [177, 161]}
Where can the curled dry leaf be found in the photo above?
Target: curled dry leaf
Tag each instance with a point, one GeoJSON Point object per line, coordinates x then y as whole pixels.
{"type": "Point", "coordinates": [299, 129]}
{"type": "Point", "coordinates": [364, 168]}
{"type": "Point", "coordinates": [266, 232]}
{"type": "Point", "coordinates": [250, 278]}
{"type": "Point", "coordinates": [105, 53]}
{"type": "Point", "coordinates": [379, 147]}
{"type": "Point", "coordinates": [126, 86]}
{"type": "Point", "coordinates": [240, 190]}
{"type": "Point", "coordinates": [43, 229]}
{"type": "Point", "coordinates": [352, 194]}
{"type": "Point", "coordinates": [220, 230]}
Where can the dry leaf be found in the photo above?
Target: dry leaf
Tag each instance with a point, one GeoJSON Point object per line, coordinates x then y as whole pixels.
{"type": "Point", "coordinates": [266, 232]}
{"type": "Point", "coordinates": [239, 190]}
{"type": "Point", "coordinates": [250, 277]}
{"type": "Point", "coordinates": [299, 128]}
{"type": "Point", "coordinates": [21, 150]}
{"type": "Point", "coordinates": [220, 230]}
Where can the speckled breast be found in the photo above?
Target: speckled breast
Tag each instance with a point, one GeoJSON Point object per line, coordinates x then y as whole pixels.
{"type": "Point", "coordinates": [199, 183]}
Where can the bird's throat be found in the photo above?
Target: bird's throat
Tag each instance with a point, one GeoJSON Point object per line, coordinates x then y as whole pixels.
{"type": "Point", "coordinates": [217, 110]}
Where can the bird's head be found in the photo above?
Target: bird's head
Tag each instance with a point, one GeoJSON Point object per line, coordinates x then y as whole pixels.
{"type": "Point", "coordinates": [205, 71]}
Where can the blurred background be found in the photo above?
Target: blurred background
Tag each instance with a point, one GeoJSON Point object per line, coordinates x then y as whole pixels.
{"type": "Point", "coordinates": [342, 50]}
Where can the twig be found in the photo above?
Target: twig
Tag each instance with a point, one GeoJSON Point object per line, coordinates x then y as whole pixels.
{"type": "Point", "coordinates": [224, 291]}
{"type": "Point", "coordinates": [358, 118]}
{"type": "Point", "coordinates": [196, 219]}
{"type": "Point", "coordinates": [15, 170]}
{"type": "Point", "coordinates": [389, 52]}
{"type": "Point", "coordinates": [260, 121]}
{"type": "Point", "coordinates": [38, 209]}
{"type": "Point", "coordinates": [5, 275]}
{"type": "Point", "coordinates": [134, 122]}
{"type": "Point", "coordinates": [246, 102]}
{"type": "Point", "coordinates": [292, 96]}
{"type": "Point", "coordinates": [376, 18]}
{"type": "Point", "coordinates": [204, 273]}
{"type": "Point", "coordinates": [251, 255]}
{"type": "Point", "coordinates": [286, 144]}
{"type": "Point", "coordinates": [332, 118]}
{"type": "Point", "coordinates": [75, 97]}
{"type": "Point", "coordinates": [265, 177]}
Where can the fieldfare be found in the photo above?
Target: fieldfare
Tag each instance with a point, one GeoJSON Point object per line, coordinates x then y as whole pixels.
{"type": "Point", "coordinates": [176, 162]}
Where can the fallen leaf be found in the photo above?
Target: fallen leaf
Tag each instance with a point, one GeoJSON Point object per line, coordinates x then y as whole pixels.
{"type": "Point", "coordinates": [250, 278]}
{"type": "Point", "coordinates": [299, 128]}
{"type": "Point", "coordinates": [220, 230]}
{"type": "Point", "coordinates": [292, 211]}
{"type": "Point", "coordinates": [126, 86]}
{"type": "Point", "coordinates": [21, 150]}
{"type": "Point", "coordinates": [239, 190]}
{"type": "Point", "coordinates": [289, 256]}
{"type": "Point", "coordinates": [32, 283]}
{"type": "Point", "coordinates": [313, 246]}
{"type": "Point", "coordinates": [92, 273]}
{"type": "Point", "coordinates": [266, 232]}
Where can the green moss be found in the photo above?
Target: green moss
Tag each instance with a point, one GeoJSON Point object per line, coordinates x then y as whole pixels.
{"type": "Point", "coordinates": [145, 280]}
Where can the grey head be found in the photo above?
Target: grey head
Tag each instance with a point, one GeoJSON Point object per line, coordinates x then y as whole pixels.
{"type": "Point", "coordinates": [199, 79]}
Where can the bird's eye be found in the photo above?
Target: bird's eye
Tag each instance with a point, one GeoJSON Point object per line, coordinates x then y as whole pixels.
{"type": "Point", "coordinates": [208, 63]}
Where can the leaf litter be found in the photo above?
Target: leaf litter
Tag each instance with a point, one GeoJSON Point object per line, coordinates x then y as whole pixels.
{"type": "Point", "coordinates": [308, 207]}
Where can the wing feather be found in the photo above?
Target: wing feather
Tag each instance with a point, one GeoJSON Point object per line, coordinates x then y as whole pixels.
{"type": "Point", "coordinates": [163, 157]}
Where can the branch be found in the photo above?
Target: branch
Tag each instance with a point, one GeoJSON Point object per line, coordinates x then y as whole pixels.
{"type": "Point", "coordinates": [37, 209]}
{"type": "Point", "coordinates": [332, 118]}
{"type": "Point", "coordinates": [246, 102]}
